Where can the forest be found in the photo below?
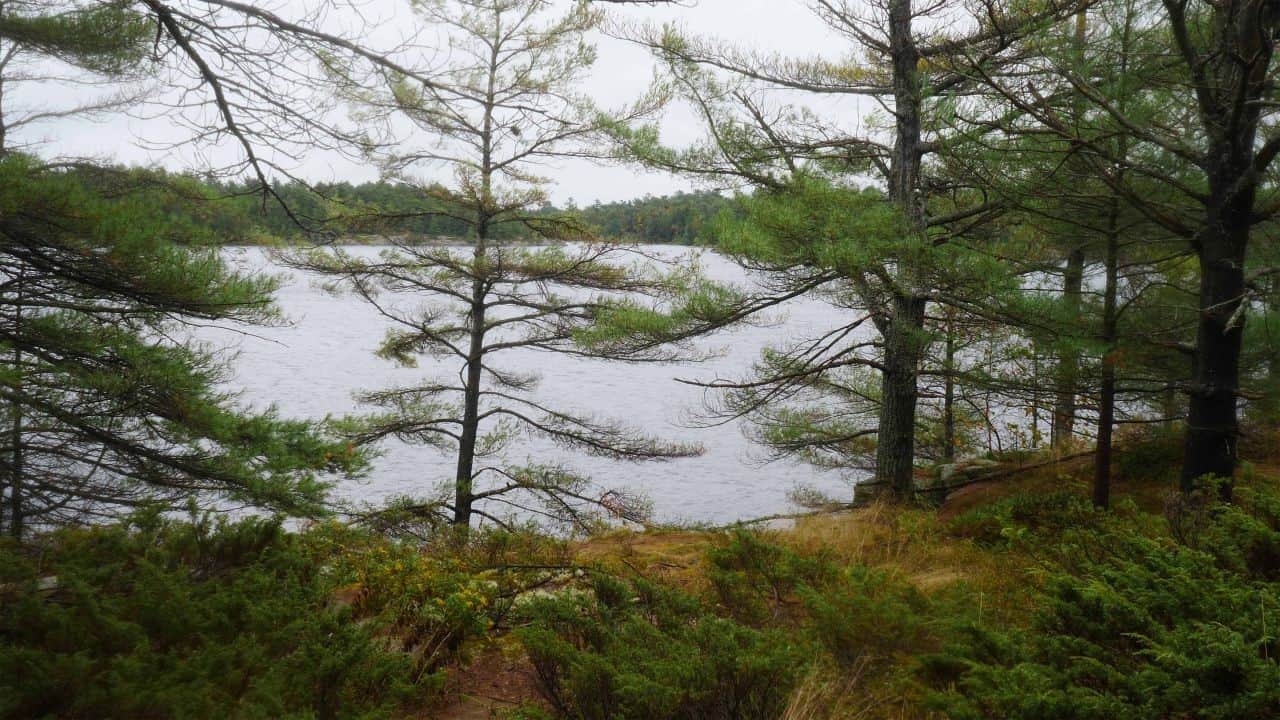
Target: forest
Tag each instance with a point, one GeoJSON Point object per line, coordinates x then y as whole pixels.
{"type": "Point", "coordinates": [1031, 242]}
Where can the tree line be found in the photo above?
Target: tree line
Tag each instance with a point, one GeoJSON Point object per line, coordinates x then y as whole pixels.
{"type": "Point", "coordinates": [372, 210]}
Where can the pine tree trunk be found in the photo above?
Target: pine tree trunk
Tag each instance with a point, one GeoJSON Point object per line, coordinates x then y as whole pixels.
{"type": "Point", "coordinates": [904, 345]}
{"type": "Point", "coordinates": [1106, 426]}
{"type": "Point", "coordinates": [1237, 85]}
{"type": "Point", "coordinates": [463, 482]}
{"type": "Point", "coordinates": [17, 479]}
{"type": "Point", "coordinates": [1212, 425]}
{"type": "Point", "coordinates": [904, 332]}
{"type": "Point", "coordinates": [1169, 405]}
{"type": "Point", "coordinates": [1064, 409]}
{"type": "Point", "coordinates": [1107, 393]}
{"type": "Point", "coordinates": [1068, 370]}
{"type": "Point", "coordinates": [463, 489]}
{"type": "Point", "coordinates": [949, 393]}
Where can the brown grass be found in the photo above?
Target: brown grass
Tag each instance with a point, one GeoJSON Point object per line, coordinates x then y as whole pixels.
{"type": "Point", "coordinates": [676, 557]}
{"type": "Point", "coordinates": [914, 545]}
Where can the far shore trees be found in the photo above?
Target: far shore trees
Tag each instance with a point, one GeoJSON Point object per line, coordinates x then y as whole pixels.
{"type": "Point", "coordinates": [505, 104]}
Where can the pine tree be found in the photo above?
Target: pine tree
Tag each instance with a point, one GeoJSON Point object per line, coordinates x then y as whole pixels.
{"type": "Point", "coordinates": [889, 275]}
{"type": "Point", "coordinates": [107, 405]}
{"type": "Point", "coordinates": [505, 104]}
{"type": "Point", "coordinates": [95, 45]}
{"type": "Point", "coordinates": [1214, 150]}
{"type": "Point", "coordinates": [1115, 327]}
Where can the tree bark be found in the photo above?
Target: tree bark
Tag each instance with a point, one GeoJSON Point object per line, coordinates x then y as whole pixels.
{"type": "Point", "coordinates": [1107, 392]}
{"type": "Point", "coordinates": [463, 484]}
{"type": "Point", "coordinates": [1212, 424]}
{"type": "Point", "coordinates": [1064, 410]}
{"type": "Point", "coordinates": [1068, 370]}
{"type": "Point", "coordinates": [1169, 405]}
{"type": "Point", "coordinates": [904, 331]}
{"type": "Point", "coordinates": [17, 479]}
{"type": "Point", "coordinates": [949, 392]}
{"type": "Point", "coordinates": [464, 480]}
{"type": "Point", "coordinates": [895, 452]}
{"type": "Point", "coordinates": [1232, 74]}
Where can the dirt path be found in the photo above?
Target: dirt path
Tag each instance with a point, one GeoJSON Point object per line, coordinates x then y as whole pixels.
{"type": "Point", "coordinates": [494, 683]}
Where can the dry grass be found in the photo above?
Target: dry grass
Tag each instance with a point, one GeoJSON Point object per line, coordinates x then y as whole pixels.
{"type": "Point", "coordinates": [828, 694]}
{"type": "Point", "coordinates": [913, 545]}
{"type": "Point", "coordinates": [676, 557]}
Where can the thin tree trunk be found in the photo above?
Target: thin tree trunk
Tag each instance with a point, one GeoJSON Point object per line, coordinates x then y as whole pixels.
{"type": "Point", "coordinates": [1064, 409]}
{"type": "Point", "coordinates": [17, 479]}
{"type": "Point", "coordinates": [1034, 439]}
{"type": "Point", "coordinates": [992, 438]}
{"type": "Point", "coordinates": [949, 392]}
{"type": "Point", "coordinates": [464, 480]}
{"type": "Point", "coordinates": [1107, 392]}
{"type": "Point", "coordinates": [1169, 405]}
{"type": "Point", "coordinates": [1068, 370]}
{"type": "Point", "coordinates": [463, 486]}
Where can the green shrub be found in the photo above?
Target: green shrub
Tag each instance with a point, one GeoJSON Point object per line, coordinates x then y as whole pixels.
{"type": "Point", "coordinates": [1245, 537]}
{"type": "Point", "coordinates": [1129, 626]}
{"type": "Point", "coordinates": [774, 615]}
{"type": "Point", "coordinates": [867, 618]}
{"type": "Point", "coordinates": [1152, 453]}
{"type": "Point", "coordinates": [430, 602]}
{"type": "Point", "coordinates": [1014, 519]}
{"type": "Point", "coordinates": [635, 650]}
{"type": "Point", "coordinates": [754, 580]}
{"type": "Point", "coordinates": [160, 618]}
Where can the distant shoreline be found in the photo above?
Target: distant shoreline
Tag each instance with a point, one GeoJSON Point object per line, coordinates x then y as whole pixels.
{"type": "Point", "coordinates": [434, 241]}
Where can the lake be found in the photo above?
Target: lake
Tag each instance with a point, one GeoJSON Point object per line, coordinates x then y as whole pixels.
{"type": "Point", "coordinates": [311, 367]}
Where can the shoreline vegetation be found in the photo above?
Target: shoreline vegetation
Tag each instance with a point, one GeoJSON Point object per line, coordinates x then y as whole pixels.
{"type": "Point", "coordinates": [369, 212]}
{"type": "Point", "coordinates": [450, 241]}
{"type": "Point", "coordinates": [1014, 596]}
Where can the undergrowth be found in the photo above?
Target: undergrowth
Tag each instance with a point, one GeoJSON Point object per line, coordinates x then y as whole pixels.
{"type": "Point", "coordinates": [1033, 606]}
{"type": "Point", "coordinates": [1068, 612]}
{"type": "Point", "coordinates": [165, 618]}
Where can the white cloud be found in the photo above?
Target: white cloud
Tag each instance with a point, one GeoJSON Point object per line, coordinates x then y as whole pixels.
{"type": "Point", "coordinates": [621, 74]}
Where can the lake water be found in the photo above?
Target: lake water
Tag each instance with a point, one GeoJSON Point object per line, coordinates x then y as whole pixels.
{"type": "Point", "coordinates": [311, 367]}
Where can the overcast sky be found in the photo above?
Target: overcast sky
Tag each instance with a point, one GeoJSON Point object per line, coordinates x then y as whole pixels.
{"type": "Point", "coordinates": [622, 72]}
